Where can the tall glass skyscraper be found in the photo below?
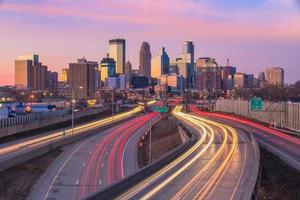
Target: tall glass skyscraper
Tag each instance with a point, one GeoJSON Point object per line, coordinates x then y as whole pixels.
{"type": "Point", "coordinates": [188, 51]}
{"type": "Point", "coordinates": [145, 60]}
{"type": "Point", "coordinates": [117, 51]}
{"type": "Point", "coordinates": [160, 64]}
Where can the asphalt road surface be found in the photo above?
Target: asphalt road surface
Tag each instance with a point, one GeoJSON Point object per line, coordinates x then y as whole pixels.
{"type": "Point", "coordinates": [95, 163]}
{"type": "Point", "coordinates": [223, 164]}
{"type": "Point", "coordinates": [285, 146]}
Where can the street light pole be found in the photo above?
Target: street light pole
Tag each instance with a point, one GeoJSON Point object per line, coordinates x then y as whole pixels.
{"type": "Point", "coordinates": [150, 145]}
{"type": "Point", "coordinates": [72, 107]}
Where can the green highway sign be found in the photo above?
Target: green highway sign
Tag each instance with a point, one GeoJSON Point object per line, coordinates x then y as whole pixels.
{"type": "Point", "coordinates": [160, 109]}
{"type": "Point", "coordinates": [256, 104]}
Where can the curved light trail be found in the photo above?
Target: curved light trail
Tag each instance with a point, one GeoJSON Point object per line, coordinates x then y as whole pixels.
{"type": "Point", "coordinates": [8, 150]}
{"type": "Point", "coordinates": [208, 177]}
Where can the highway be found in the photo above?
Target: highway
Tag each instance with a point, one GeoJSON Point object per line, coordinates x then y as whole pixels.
{"type": "Point", "coordinates": [96, 162]}
{"type": "Point", "coordinates": [19, 147]}
{"type": "Point", "coordinates": [285, 146]}
{"type": "Point", "coordinates": [223, 164]}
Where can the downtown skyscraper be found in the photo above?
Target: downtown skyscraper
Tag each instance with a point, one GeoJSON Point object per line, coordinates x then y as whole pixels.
{"type": "Point", "coordinates": [30, 73]}
{"type": "Point", "coordinates": [117, 51]}
{"type": "Point", "coordinates": [145, 60]}
{"type": "Point", "coordinates": [188, 51]}
{"type": "Point", "coordinates": [275, 76]}
{"type": "Point", "coordinates": [160, 64]}
{"type": "Point", "coordinates": [83, 79]}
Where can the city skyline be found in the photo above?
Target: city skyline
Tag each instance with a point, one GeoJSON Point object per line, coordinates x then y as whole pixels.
{"type": "Point", "coordinates": [60, 36]}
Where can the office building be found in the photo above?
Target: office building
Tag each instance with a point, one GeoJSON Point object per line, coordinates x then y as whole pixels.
{"type": "Point", "coordinates": [160, 64]}
{"type": "Point", "coordinates": [123, 79]}
{"type": "Point", "coordinates": [262, 79]}
{"type": "Point", "coordinates": [128, 74]}
{"type": "Point", "coordinates": [83, 79]}
{"type": "Point", "coordinates": [208, 74]}
{"type": "Point", "coordinates": [107, 68]}
{"type": "Point", "coordinates": [33, 57]}
{"type": "Point", "coordinates": [145, 60]}
{"type": "Point", "coordinates": [38, 77]}
{"type": "Point", "coordinates": [185, 69]}
{"type": "Point", "coordinates": [117, 51]}
{"type": "Point", "coordinates": [64, 75]}
{"type": "Point", "coordinates": [51, 81]}
{"type": "Point", "coordinates": [174, 82]}
{"type": "Point", "coordinates": [23, 74]}
{"type": "Point", "coordinates": [174, 66]}
{"type": "Point", "coordinates": [275, 76]}
{"type": "Point", "coordinates": [188, 51]}
{"type": "Point", "coordinates": [24, 71]}
{"type": "Point", "coordinates": [112, 83]}
{"type": "Point", "coordinates": [227, 77]}
{"type": "Point", "coordinates": [239, 80]}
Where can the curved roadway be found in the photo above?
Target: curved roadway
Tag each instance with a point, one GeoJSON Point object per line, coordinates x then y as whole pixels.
{"type": "Point", "coordinates": [223, 164]}
{"type": "Point", "coordinates": [96, 162]}
{"type": "Point", "coordinates": [285, 146]}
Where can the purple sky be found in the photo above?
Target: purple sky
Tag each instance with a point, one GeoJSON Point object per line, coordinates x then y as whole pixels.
{"type": "Point", "coordinates": [253, 34]}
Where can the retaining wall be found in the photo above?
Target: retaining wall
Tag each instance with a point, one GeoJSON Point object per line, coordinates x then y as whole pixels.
{"type": "Point", "coordinates": [281, 114]}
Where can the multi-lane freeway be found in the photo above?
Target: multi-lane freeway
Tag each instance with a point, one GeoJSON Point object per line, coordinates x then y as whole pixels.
{"type": "Point", "coordinates": [95, 162]}
{"type": "Point", "coordinates": [12, 151]}
{"type": "Point", "coordinates": [285, 146]}
{"type": "Point", "coordinates": [223, 164]}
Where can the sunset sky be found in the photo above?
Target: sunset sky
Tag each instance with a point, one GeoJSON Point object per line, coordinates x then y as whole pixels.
{"type": "Point", "coordinates": [254, 34]}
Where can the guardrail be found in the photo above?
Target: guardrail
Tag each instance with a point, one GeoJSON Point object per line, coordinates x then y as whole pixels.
{"type": "Point", "coordinates": [11, 161]}
{"type": "Point", "coordinates": [256, 170]}
{"type": "Point", "coordinates": [112, 191]}
{"type": "Point", "coordinates": [37, 121]}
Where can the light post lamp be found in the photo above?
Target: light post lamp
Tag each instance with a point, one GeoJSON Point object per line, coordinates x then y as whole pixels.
{"type": "Point", "coordinates": [150, 145]}
{"type": "Point", "coordinates": [31, 99]}
{"type": "Point", "coordinates": [72, 107]}
{"type": "Point", "coordinates": [73, 101]}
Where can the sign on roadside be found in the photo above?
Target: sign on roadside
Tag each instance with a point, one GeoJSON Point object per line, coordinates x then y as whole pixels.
{"type": "Point", "coordinates": [160, 109]}
{"type": "Point", "coordinates": [256, 104]}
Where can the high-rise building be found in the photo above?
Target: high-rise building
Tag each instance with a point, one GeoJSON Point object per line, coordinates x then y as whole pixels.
{"type": "Point", "coordinates": [145, 60]}
{"type": "Point", "coordinates": [51, 81]}
{"type": "Point", "coordinates": [174, 66]}
{"type": "Point", "coordinates": [174, 82]}
{"type": "Point", "coordinates": [107, 68]}
{"type": "Point", "coordinates": [227, 77]}
{"type": "Point", "coordinates": [64, 75]}
{"type": "Point", "coordinates": [33, 57]}
{"type": "Point", "coordinates": [188, 51]}
{"type": "Point", "coordinates": [117, 51]}
{"type": "Point", "coordinates": [23, 74]}
{"type": "Point", "coordinates": [208, 74]}
{"type": "Point", "coordinates": [38, 77]}
{"type": "Point", "coordinates": [128, 74]}
{"type": "Point", "coordinates": [262, 79]}
{"type": "Point", "coordinates": [83, 79]}
{"type": "Point", "coordinates": [275, 76]}
{"type": "Point", "coordinates": [24, 70]}
{"type": "Point", "coordinates": [185, 69]}
{"type": "Point", "coordinates": [239, 80]}
{"type": "Point", "coordinates": [160, 64]}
